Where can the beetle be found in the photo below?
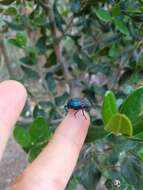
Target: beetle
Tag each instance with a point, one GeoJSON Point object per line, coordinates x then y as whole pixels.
{"type": "Point", "coordinates": [78, 104]}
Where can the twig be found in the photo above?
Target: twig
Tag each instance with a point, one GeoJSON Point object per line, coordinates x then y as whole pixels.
{"type": "Point", "coordinates": [6, 58]}
{"type": "Point", "coordinates": [67, 27]}
{"type": "Point", "coordinates": [56, 42]}
{"type": "Point", "coordinates": [69, 24]}
{"type": "Point", "coordinates": [119, 68]}
{"type": "Point", "coordinates": [50, 70]}
{"type": "Point", "coordinates": [74, 84]}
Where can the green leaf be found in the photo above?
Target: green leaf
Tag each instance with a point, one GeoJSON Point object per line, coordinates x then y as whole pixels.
{"type": "Point", "coordinates": [38, 112]}
{"type": "Point", "coordinates": [121, 27]}
{"type": "Point", "coordinates": [15, 26]}
{"type": "Point", "coordinates": [75, 6]}
{"type": "Point", "coordinates": [72, 184]}
{"type": "Point", "coordinates": [119, 124]}
{"type": "Point", "coordinates": [103, 15]}
{"type": "Point", "coordinates": [46, 104]}
{"type": "Point", "coordinates": [132, 170]}
{"type": "Point", "coordinates": [116, 10]}
{"type": "Point", "coordinates": [60, 100]}
{"type": "Point", "coordinates": [54, 114]}
{"type": "Point", "coordinates": [109, 107]}
{"type": "Point", "coordinates": [11, 11]}
{"type": "Point", "coordinates": [20, 40]}
{"type": "Point", "coordinates": [79, 61]}
{"type": "Point", "coordinates": [113, 51]}
{"type": "Point", "coordinates": [58, 18]}
{"type": "Point", "coordinates": [39, 20]}
{"type": "Point", "coordinates": [6, 2]}
{"type": "Point", "coordinates": [52, 59]}
{"type": "Point", "coordinates": [1, 9]}
{"type": "Point", "coordinates": [34, 152]}
{"type": "Point", "coordinates": [139, 135]}
{"type": "Point", "coordinates": [41, 45]}
{"type": "Point", "coordinates": [32, 52]}
{"type": "Point", "coordinates": [50, 82]}
{"type": "Point", "coordinates": [22, 136]}
{"type": "Point", "coordinates": [111, 184]}
{"type": "Point", "coordinates": [39, 130]}
{"type": "Point", "coordinates": [138, 125]}
{"type": "Point", "coordinates": [27, 60]}
{"type": "Point", "coordinates": [31, 57]}
{"type": "Point", "coordinates": [100, 67]}
{"type": "Point", "coordinates": [132, 107]}
{"type": "Point", "coordinates": [95, 134]}
{"type": "Point", "coordinates": [30, 73]}
{"type": "Point", "coordinates": [130, 188]}
{"type": "Point", "coordinates": [140, 154]}
{"type": "Point", "coordinates": [88, 175]}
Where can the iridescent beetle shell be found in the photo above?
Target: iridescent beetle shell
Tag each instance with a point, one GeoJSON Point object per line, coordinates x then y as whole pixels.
{"type": "Point", "coordinates": [78, 104]}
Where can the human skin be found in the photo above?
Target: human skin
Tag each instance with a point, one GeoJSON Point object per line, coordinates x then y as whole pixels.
{"type": "Point", "coordinates": [53, 167]}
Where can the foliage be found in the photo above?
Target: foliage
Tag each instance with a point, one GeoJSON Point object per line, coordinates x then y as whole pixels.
{"type": "Point", "coordinates": [91, 47]}
{"type": "Point", "coordinates": [34, 137]}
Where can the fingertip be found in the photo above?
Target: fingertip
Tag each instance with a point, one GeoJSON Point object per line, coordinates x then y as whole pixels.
{"type": "Point", "coordinates": [81, 116]}
{"type": "Point", "coordinates": [74, 127]}
{"type": "Point", "coordinates": [16, 86]}
{"type": "Point", "coordinates": [12, 100]}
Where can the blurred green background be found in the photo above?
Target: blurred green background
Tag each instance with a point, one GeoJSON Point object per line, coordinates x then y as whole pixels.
{"type": "Point", "coordinates": [60, 49]}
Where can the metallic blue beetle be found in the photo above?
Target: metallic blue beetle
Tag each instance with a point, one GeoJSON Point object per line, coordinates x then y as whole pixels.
{"type": "Point", "coordinates": [77, 104]}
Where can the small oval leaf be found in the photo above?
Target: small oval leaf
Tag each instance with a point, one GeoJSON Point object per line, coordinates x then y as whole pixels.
{"type": "Point", "coordinates": [116, 10]}
{"type": "Point", "coordinates": [39, 130]}
{"type": "Point", "coordinates": [34, 152]}
{"type": "Point", "coordinates": [103, 15]}
{"type": "Point", "coordinates": [95, 134]}
{"type": "Point", "coordinates": [109, 107]}
{"type": "Point", "coordinates": [51, 83]}
{"type": "Point", "coordinates": [121, 27]}
{"type": "Point", "coordinates": [11, 11]}
{"type": "Point", "coordinates": [132, 107]}
{"type": "Point", "coordinates": [119, 124]}
{"type": "Point", "coordinates": [7, 2]}
{"type": "Point", "coordinates": [22, 136]}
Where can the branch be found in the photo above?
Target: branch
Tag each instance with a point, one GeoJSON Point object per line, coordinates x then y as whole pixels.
{"type": "Point", "coordinates": [74, 84]}
{"type": "Point", "coordinates": [118, 72]}
{"type": "Point", "coordinates": [56, 43]}
{"type": "Point", "coordinates": [69, 24]}
{"type": "Point", "coordinates": [6, 58]}
{"type": "Point", "coordinates": [67, 27]}
{"type": "Point", "coordinates": [50, 70]}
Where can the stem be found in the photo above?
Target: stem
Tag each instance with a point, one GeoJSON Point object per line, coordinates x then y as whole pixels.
{"type": "Point", "coordinates": [67, 27]}
{"type": "Point", "coordinates": [135, 139]}
{"type": "Point", "coordinates": [56, 42]}
{"type": "Point", "coordinates": [118, 72]}
{"type": "Point", "coordinates": [6, 58]}
{"type": "Point", "coordinates": [74, 84]}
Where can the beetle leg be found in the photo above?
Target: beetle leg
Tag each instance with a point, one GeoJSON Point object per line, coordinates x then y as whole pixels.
{"type": "Point", "coordinates": [76, 113]}
{"type": "Point", "coordinates": [84, 114]}
{"type": "Point", "coordinates": [66, 108]}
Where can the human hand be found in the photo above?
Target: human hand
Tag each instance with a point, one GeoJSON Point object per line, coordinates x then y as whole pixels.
{"type": "Point", "coordinates": [52, 169]}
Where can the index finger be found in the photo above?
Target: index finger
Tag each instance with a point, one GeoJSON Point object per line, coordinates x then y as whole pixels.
{"type": "Point", "coordinates": [12, 99]}
{"type": "Point", "coordinates": [52, 169]}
